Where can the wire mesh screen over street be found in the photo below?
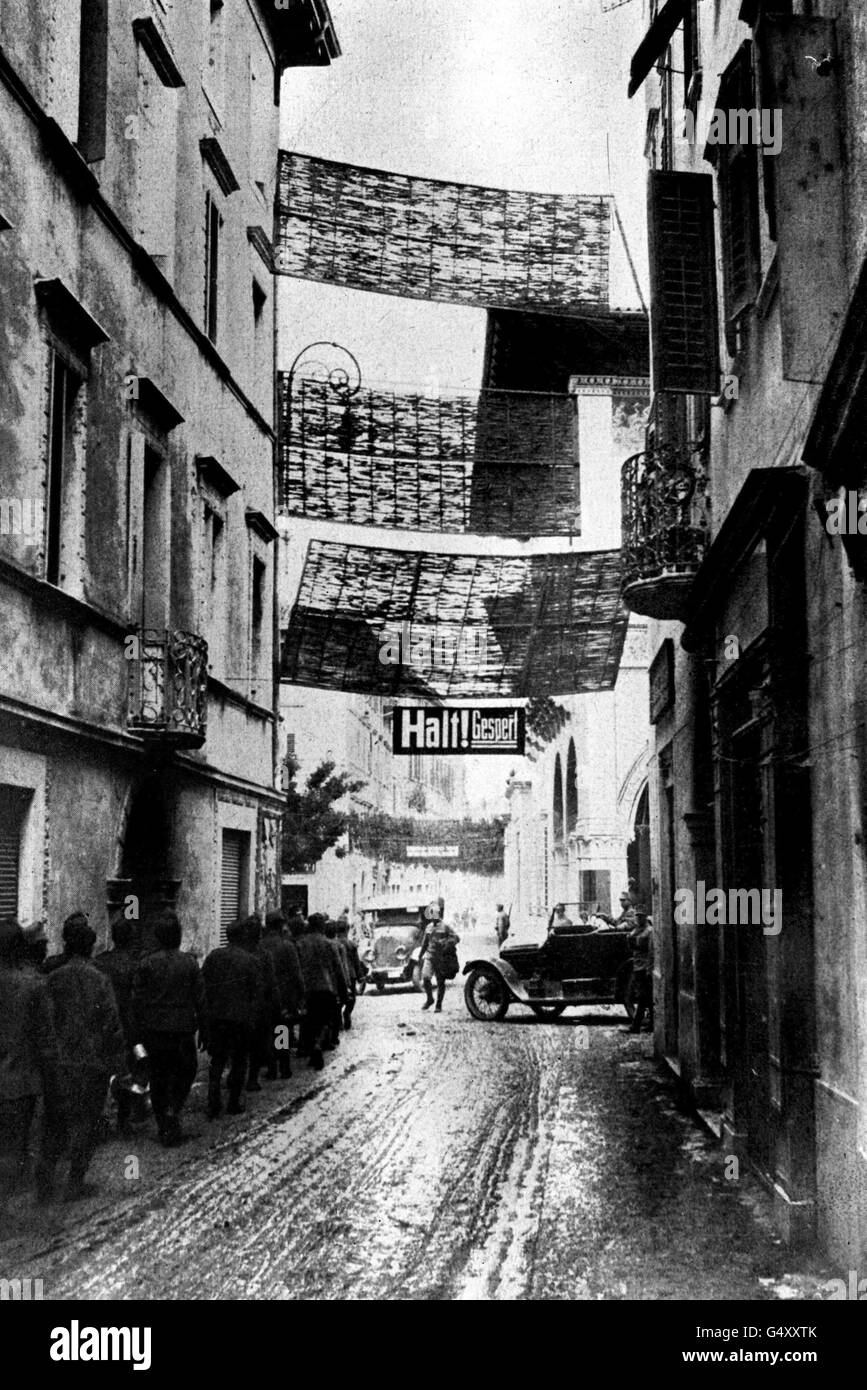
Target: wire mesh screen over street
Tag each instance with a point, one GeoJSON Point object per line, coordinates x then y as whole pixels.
{"type": "Point", "coordinates": [424, 239]}
{"type": "Point", "coordinates": [489, 462]}
{"type": "Point", "coordinates": [548, 624]}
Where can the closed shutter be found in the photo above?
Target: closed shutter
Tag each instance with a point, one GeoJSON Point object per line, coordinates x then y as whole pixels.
{"type": "Point", "coordinates": [683, 318]}
{"type": "Point", "coordinates": [230, 879]}
{"type": "Point", "coordinates": [738, 170]}
{"type": "Point", "coordinates": [13, 805]}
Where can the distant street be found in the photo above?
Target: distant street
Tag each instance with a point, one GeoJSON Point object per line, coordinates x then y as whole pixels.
{"type": "Point", "coordinates": [434, 1158]}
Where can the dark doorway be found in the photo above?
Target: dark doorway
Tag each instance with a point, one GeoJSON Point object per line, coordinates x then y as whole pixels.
{"type": "Point", "coordinates": [145, 887]}
{"type": "Point", "coordinates": [638, 851]}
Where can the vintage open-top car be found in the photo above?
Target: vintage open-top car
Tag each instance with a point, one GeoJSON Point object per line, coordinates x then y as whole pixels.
{"type": "Point", "coordinates": [578, 963]}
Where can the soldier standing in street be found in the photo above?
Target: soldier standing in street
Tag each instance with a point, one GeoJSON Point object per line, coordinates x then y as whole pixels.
{"type": "Point", "coordinates": [91, 1045]}
{"type": "Point", "coordinates": [437, 945]}
{"type": "Point", "coordinates": [641, 985]}
{"type": "Point", "coordinates": [341, 975]}
{"type": "Point", "coordinates": [267, 1001]}
{"type": "Point", "coordinates": [320, 969]}
{"type": "Point", "coordinates": [501, 924]}
{"type": "Point", "coordinates": [231, 980]}
{"type": "Point", "coordinates": [283, 952]}
{"type": "Point", "coordinates": [354, 968]}
{"type": "Point", "coordinates": [119, 965]}
{"type": "Point", "coordinates": [29, 1059]}
{"type": "Point", "coordinates": [72, 923]}
{"type": "Point", "coordinates": [168, 1000]}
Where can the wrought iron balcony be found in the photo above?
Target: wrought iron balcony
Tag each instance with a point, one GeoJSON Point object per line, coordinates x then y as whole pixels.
{"type": "Point", "coordinates": [168, 682]}
{"type": "Point", "coordinates": [665, 527]}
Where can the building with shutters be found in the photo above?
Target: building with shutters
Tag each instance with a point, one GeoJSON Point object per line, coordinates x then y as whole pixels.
{"type": "Point", "coordinates": [138, 143]}
{"type": "Point", "coordinates": [757, 613]}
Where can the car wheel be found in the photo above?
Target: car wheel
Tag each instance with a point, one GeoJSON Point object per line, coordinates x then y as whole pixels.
{"type": "Point", "coordinates": [416, 978]}
{"type": "Point", "coordinates": [547, 1010]}
{"type": "Point", "coordinates": [486, 996]}
{"type": "Point", "coordinates": [380, 987]}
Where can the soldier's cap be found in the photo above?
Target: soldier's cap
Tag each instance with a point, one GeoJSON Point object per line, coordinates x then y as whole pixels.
{"type": "Point", "coordinates": [72, 924]}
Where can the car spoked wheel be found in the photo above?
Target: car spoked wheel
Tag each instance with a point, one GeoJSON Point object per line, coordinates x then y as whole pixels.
{"type": "Point", "coordinates": [550, 1011]}
{"type": "Point", "coordinates": [486, 996]}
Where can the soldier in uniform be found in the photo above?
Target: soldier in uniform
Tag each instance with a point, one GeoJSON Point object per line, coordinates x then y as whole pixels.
{"type": "Point", "coordinates": [91, 1045]}
{"type": "Point", "coordinates": [283, 952]}
{"type": "Point", "coordinates": [119, 965]}
{"type": "Point", "coordinates": [29, 1059]}
{"type": "Point", "coordinates": [231, 980]}
{"type": "Point", "coordinates": [267, 1001]}
{"type": "Point", "coordinates": [322, 987]}
{"type": "Point", "coordinates": [168, 1004]}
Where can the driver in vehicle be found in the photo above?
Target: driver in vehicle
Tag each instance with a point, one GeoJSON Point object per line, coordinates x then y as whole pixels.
{"type": "Point", "coordinates": [561, 922]}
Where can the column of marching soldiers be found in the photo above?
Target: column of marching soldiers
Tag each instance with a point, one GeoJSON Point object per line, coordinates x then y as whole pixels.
{"type": "Point", "coordinates": [75, 1028]}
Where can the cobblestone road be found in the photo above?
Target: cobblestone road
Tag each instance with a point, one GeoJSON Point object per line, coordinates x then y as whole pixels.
{"type": "Point", "coordinates": [434, 1158]}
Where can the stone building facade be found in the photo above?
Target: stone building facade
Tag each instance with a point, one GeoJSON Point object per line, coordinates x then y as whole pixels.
{"type": "Point", "coordinates": [138, 148]}
{"type": "Point", "coordinates": [354, 732]}
{"type": "Point", "coordinates": [757, 609]}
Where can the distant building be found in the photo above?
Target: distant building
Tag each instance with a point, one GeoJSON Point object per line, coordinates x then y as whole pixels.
{"type": "Point", "coordinates": [354, 731]}
{"type": "Point", "coordinates": [138, 143]}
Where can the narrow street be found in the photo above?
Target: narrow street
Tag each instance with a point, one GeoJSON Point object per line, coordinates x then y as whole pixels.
{"type": "Point", "coordinates": [435, 1158]}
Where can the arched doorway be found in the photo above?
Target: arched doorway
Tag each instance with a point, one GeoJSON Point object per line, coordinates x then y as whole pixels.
{"type": "Point", "coordinates": [144, 886]}
{"type": "Point", "coordinates": [638, 850]}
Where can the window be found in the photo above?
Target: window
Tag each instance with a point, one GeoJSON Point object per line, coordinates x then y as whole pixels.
{"type": "Point", "coordinates": [558, 801]}
{"type": "Point", "coordinates": [213, 226]}
{"type": "Point", "coordinates": [683, 318]}
{"type": "Point", "coordinates": [214, 75]}
{"type": "Point", "coordinates": [257, 622]}
{"type": "Point", "coordinates": [157, 135]}
{"type": "Point", "coordinates": [571, 789]}
{"type": "Point", "coordinates": [63, 429]}
{"type": "Point", "coordinates": [93, 80]}
{"type": "Point", "coordinates": [691, 69]}
{"type": "Point", "coordinates": [261, 363]}
{"type": "Point", "coordinates": [738, 176]}
{"type": "Point", "coordinates": [154, 541]}
{"type": "Point", "coordinates": [14, 802]}
{"type": "Point", "coordinates": [213, 596]}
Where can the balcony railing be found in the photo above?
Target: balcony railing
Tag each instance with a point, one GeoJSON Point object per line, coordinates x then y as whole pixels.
{"type": "Point", "coordinates": [665, 528]}
{"type": "Point", "coordinates": [168, 682]}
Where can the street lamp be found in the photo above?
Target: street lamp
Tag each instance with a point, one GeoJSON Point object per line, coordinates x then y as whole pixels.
{"type": "Point", "coordinates": [342, 375]}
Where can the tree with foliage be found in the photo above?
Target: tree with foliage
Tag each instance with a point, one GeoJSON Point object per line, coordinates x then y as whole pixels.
{"type": "Point", "coordinates": [311, 822]}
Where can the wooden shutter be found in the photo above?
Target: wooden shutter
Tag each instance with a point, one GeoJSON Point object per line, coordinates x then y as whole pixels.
{"type": "Point", "coordinates": [683, 317]}
{"type": "Point", "coordinates": [808, 189]}
{"type": "Point", "coordinates": [231, 865]}
{"type": "Point", "coordinates": [738, 171]}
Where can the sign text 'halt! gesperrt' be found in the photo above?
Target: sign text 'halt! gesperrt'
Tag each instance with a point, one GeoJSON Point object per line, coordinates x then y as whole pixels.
{"type": "Point", "coordinates": [473, 729]}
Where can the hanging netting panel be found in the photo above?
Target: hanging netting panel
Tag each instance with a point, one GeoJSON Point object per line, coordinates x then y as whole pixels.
{"type": "Point", "coordinates": [402, 622]}
{"type": "Point", "coordinates": [422, 239]}
{"type": "Point", "coordinates": [489, 462]}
